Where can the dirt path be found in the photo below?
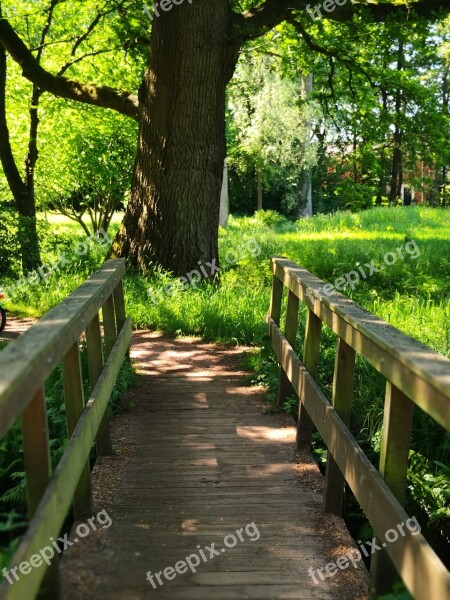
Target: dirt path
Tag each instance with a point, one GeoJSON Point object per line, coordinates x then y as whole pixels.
{"type": "Point", "coordinates": [14, 327]}
{"type": "Point", "coordinates": [198, 460]}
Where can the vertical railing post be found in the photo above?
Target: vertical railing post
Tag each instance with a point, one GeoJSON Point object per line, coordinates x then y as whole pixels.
{"type": "Point", "coordinates": [74, 401]}
{"type": "Point", "coordinates": [344, 371]}
{"type": "Point", "coordinates": [104, 443]}
{"type": "Point", "coordinates": [395, 444]}
{"type": "Point", "coordinates": [38, 471]}
{"type": "Point", "coordinates": [311, 351]}
{"type": "Point", "coordinates": [95, 366]}
{"type": "Point", "coordinates": [290, 333]}
{"type": "Point", "coordinates": [109, 324]}
{"type": "Point", "coordinates": [119, 306]}
{"type": "Point", "coordinates": [276, 299]}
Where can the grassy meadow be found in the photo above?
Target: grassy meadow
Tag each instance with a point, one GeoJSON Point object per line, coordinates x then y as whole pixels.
{"type": "Point", "coordinates": [413, 295]}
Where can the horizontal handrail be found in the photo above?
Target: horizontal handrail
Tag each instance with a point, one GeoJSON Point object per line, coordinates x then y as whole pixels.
{"type": "Point", "coordinates": [27, 363]}
{"type": "Point", "coordinates": [421, 373]}
{"type": "Point", "coordinates": [415, 374]}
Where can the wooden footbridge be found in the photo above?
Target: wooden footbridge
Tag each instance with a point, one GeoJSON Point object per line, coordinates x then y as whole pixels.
{"type": "Point", "coordinates": [196, 492]}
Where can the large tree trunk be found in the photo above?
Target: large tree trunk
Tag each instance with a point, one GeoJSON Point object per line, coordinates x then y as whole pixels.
{"type": "Point", "coordinates": [173, 215]}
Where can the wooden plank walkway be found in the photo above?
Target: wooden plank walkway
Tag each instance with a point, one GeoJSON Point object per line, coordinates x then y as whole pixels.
{"type": "Point", "coordinates": [197, 459]}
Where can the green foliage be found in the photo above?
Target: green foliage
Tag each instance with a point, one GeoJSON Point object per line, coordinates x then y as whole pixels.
{"type": "Point", "coordinates": [97, 165]}
{"type": "Point", "coordinates": [268, 131]}
{"type": "Point", "coordinates": [399, 592]}
{"type": "Point", "coordinates": [9, 243]}
{"type": "Point", "coordinates": [347, 195]}
{"type": "Point", "coordinates": [268, 218]}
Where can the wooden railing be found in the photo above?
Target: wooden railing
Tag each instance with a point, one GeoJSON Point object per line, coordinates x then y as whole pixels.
{"type": "Point", "coordinates": [414, 375]}
{"type": "Point", "coordinates": [25, 364]}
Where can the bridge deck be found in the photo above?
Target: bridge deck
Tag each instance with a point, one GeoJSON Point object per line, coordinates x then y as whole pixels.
{"type": "Point", "coordinates": [197, 459]}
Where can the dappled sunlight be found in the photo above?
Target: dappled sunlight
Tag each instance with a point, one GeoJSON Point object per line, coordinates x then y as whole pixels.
{"type": "Point", "coordinates": [268, 470]}
{"type": "Point", "coordinates": [341, 235]}
{"type": "Point", "coordinates": [189, 525]}
{"type": "Point", "coordinates": [200, 376]}
{"type": "Point", "coordinates": [261, 433]}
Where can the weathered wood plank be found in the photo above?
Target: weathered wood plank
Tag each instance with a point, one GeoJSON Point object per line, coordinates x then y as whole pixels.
{"type": "Point", "coordinates": [104, 444]}
{"type": "Point", "coordinates": [276, 300]}
{"type": "Point", "coordinates": [38, 471]}
{"type": "Point", "coordinates": [95, 366]}
{"type": "Point", "coordinates": [119, 305]}
{"type": "Point", "coordinates": [395, 443]}
{"type": "Point", "coordinates": [291, 326]}
{"type": "Point", "coordinates": [311, 353]}
{"type": "Point", "coordinates": [342, 403]}
{"type": "Point", "coordinates": [163, 508]}
{"type": "Point", "coordinates": [74, 402]}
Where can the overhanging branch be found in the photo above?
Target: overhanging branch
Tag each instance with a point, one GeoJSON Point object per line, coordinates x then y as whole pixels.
{"type": "Point", "coordinates": [106, 97]}
{"type": "Point", "coordinates": [255, 22]}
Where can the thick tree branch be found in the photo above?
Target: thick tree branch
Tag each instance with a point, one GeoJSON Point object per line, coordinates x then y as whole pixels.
{"type": "Point", "coordinates": [10, 169]}
{"type": "Point", "coordinates": [255, 22]}
{"type": "Point", "coordinates": [106, 97]}
{"type": "Point", "coordinates": [331, 53]}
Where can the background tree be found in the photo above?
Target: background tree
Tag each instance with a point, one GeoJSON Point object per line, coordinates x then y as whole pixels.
{"type": "Point", "coordinates": [269, 127]}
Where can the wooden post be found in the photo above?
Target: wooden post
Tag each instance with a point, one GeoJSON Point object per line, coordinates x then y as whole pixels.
{"type": "Point", "coordinates": [95, 365]}
{"type": "Point", "coordinates": [109, 324]}
{"type": "Point", "coordinates": [290, 333]}
{"type": "Point", "coordinates": [276, 300]}
{"type": "Point", "coordinates": [103, 440]}
{"type": "Point", "coordinates": [38, 472]}
{"type": "Point", "coordinates": [36, 450]}
{"type": "Point", "coordinates": [311, 351]}
{"type": "Point", "coordinates": [119, 305]}
{"type": "Point", "coordinates": [344, 371]}
{"type": "Point", "coordinates": [74, 401]}
{"type": "Point", "coordinates": [395, 443]}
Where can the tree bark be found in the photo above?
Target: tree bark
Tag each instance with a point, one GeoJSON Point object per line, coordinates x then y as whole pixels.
{"type": "Point", "coordinates": [223, 214]}
{"type": "Point", "coordinates": [259, 189]}
{"type": "Point", "coordinates": [172, 218]}
{"type": "Point", "coordinates": [397, 154]}
{"type": "Point", "coordinates": [304, 206]}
